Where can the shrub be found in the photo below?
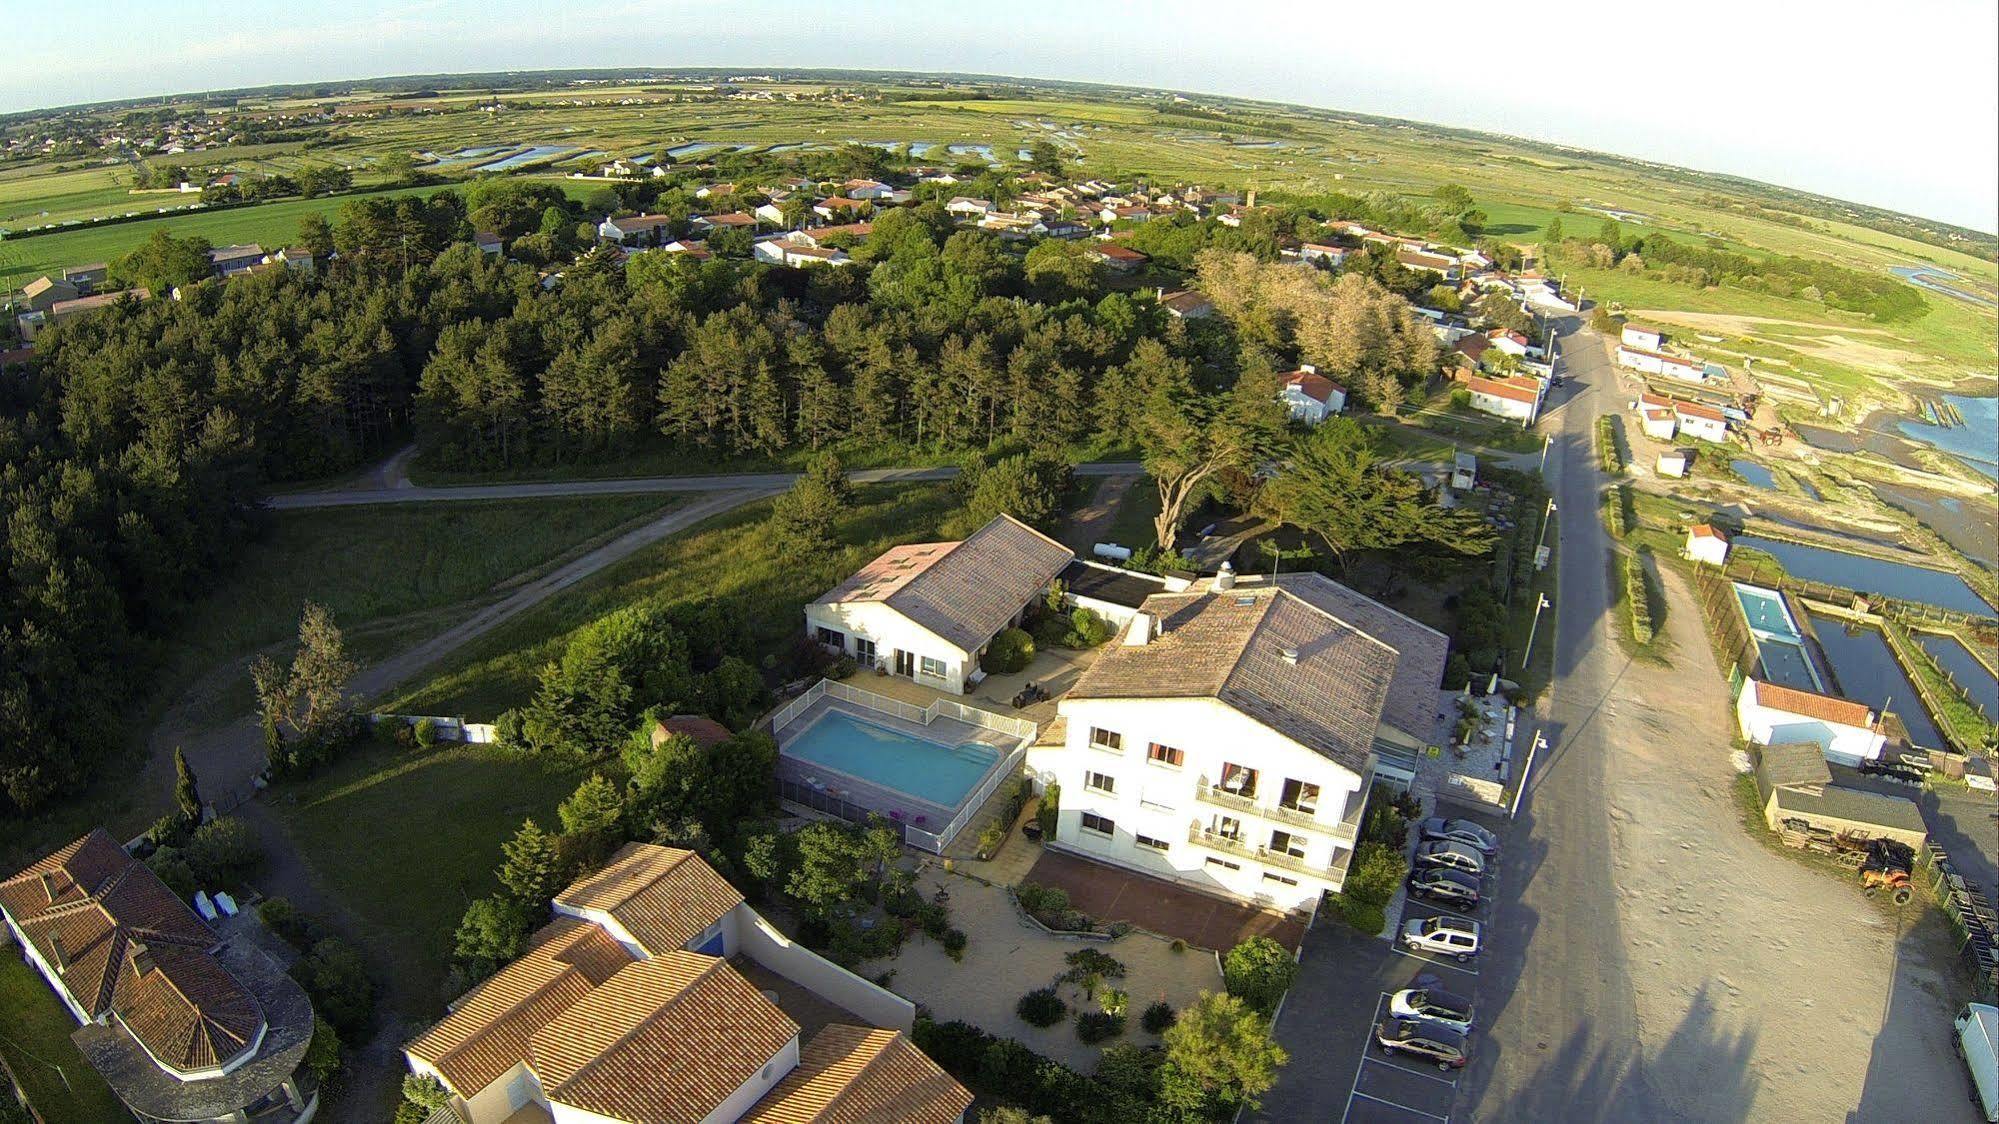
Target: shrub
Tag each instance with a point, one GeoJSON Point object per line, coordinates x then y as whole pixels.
{"type": "Point", "coordinates": [424, 1091]}
{"type": "Point", "coordinates": [173, 870]}
{"type": "Point", "coordinates": [1610, 457]}
{"type": "Point", "coordinates": [934, 918]}
{"type": "Point", "coordinates": [171, 830]}
{"type": "Point", "coordinates": [426, 732]}
{"type": "Point", "coordinates": [1157, 1017]}
{"type": "Point", "coordinates": [1048, 815]}
{"type": "Point", "coordinates": [322, 1054]}
{"type": "Point", "coordinates": [992, 836]}
{"type": "Point", "coordinates": [1098, 1026]}
{"type": "Point", "coordinates": [1012, 650]}
{"type": "Point", "coordinates": [954, 942]}
{"type": "Point", "coordinates": [1377, 870]}
{"type": "Point", "coordinates": [1638, 599]}
{"type": "Point", "coordinates": [1036, 898]}
{"type": "Point", "coordinates": [1041, 1007]}
{"type": "Point", "coordinates": [1366, 917]}
{"type": "Point", "coordinates": [1093, 962]}
{"type": "Point", "coordinates": [1087, 629]}
{"type": "Point", "coordinates": [1050, 632]}
{"type": "Point", "coordinates": [1259, 971]}
{"type": "Point", "coordinates": [334, 976]}
{"type": "Point", "coordinates": [223, 852]}
{"type": "Point", "coordinates": [1178, 945]}
{"type": "Point", "coordinates": [296, 929]}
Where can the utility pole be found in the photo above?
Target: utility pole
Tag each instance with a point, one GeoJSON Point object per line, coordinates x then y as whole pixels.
{"type": "Point", "coordinates": [1541, 602]}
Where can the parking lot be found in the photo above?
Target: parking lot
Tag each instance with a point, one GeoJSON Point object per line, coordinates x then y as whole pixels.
{"type": "Point", "coordinates": [1343, 995]}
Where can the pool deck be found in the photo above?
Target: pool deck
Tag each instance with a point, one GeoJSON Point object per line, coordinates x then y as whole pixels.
{"type": "Point", "coordinates": [874, 795]}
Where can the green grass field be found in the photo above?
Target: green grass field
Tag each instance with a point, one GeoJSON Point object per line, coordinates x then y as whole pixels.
{"type": "Point", "coordinates": [728, 556]}
{"type": "Point", "coordinates": [435, 822]}
{"type": "Point", "coordinates": [34, 1038]}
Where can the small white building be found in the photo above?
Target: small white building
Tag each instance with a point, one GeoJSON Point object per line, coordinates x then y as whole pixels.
{"type": "Point", "coordinates": [1675, 463]}
{"type": "Point", "coordinates": [1515, 397]}
{"type": "Point", "coordinates": [1707, 543]}
{"type": "Point", "coordinates": [1644, 337]}
{"type": "Point", "coordinates": [1704, 422]}
{"type": "Point", "coordinates": [635, 230]}
{"type": "Point", "coordinates": [927, 611]}
{"type": "Point", "coordinates": [1847, 732]}
{"type": "Point", "coordinates": [797, 253]}
{"type": "Point", "coordinates": [1316, 252]}
{"type": "Point", "coordinates": [1311, 397]}
{"type": "Point", "coordinates": [1655, 417]}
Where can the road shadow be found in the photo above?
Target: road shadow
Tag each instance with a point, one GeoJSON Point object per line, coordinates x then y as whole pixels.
{"type": "Point", "coordinates": [1909, 1071]}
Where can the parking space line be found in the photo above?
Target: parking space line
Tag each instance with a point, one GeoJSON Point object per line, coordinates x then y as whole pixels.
{"type": "Point", "coordinates": [1451, 1081]}
{"type": "Point", "coordinates": [1435, 963]}
{"type": "Point", "coordinates": [1393, 1105]}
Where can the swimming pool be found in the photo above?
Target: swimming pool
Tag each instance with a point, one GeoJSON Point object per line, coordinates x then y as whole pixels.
{"type": "Point", "coordinates": [929, 771]}
{"type": "Point", "coordinates": [1779, 646]}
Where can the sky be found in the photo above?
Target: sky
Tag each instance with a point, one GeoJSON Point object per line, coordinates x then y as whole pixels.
{"type": "Point", "coordinates": [1893, 105]}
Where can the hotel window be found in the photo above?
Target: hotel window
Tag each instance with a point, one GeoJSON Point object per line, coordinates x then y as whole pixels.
{"type": "Point", "coordinates": [1107, 739]}
{"type": "Point", "coordinates": [1100, 782]}
{"type": "Point", "coordinates": [1223, 863]}
{"type": "Point", "coordinates": [1228, 827]}
{"type": "Point", "coordinates": [1100, 824]}
{"type": "Point", "coordinates": [1159, 845]}
{"type": "Point", "coordinates": [832, 637]}
{"type": "Point", "coordinates": [1239, 780]}
{"type": "Point", "coordinates": [1300, 797]}
{"type": "Point", "coordinates": [933, 667]}
{"type": "Point", "coordinates": [1280, 879]}
{"type": "Point", "coordinates": [864, 651]}
{"type": "Point", "coordinates": [1165, 755]}
{"type": "Point", "coordinates": [1285, 843]}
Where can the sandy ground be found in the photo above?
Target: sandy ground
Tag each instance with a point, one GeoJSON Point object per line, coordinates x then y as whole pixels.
{"type": "Point", "coordinates": [1008, 957]}
{"type": "Point", "coordinates": [1837, 342]}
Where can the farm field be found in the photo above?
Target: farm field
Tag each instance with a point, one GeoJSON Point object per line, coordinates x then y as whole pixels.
{"type": "Point", "coordinates": [1521, 186]}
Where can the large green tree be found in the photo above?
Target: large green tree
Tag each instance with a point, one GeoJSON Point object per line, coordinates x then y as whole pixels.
{"type": "Point", "coordinates": [1189, 435]}
{"type": "Point", "coordinates": [1220, 1059]}
{"type": "Point", "coordinates": [1338, 488]}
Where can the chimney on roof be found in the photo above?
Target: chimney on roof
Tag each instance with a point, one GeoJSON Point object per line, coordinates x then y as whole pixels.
{"type": "Point", "coordinates": [49, 885]}
{"type": "Point", "coordinates": [1159, 292]}
{"type": "Point", "coordinates": [1143, 628]}
{"type": "Point", "coordinates": [1309, 368]}
{"type": "Point", "coordinates": [1224, 578]}
{"type": "Point", "coordinates": [1288, 655]}
{"type": "Point", "coordinates": [60, 954]}
{"type": "Point", "coordinates": [142, 959]}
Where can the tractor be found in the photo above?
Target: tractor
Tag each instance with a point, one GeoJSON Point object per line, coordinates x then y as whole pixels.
{"type": "Point", "coordinates": [1887, 867]}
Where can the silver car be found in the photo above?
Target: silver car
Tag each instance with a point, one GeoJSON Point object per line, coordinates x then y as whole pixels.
{"type": "Point", "coordinates": [1451, 856]}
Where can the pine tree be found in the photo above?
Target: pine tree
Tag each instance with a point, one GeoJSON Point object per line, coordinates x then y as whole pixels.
{"type": "Point", "coordinates": [187, 796]}
{"type": "Point", "coordinates": [529, 867]}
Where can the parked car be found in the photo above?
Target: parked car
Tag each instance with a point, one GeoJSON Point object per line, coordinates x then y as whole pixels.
{"type": "Point", "coordinates": [1442, 884]}
{"type": "Point", "coordinates": [1430, 1004]}
{"type": "Point", "coordinates": [1444, 935]}
{"type": "Point", "coordinates": [1455, 856]}
{"type": "Point", "coordinates": [1461, 831]}
{"type": "Point", "coordinates": [1431, 1042]}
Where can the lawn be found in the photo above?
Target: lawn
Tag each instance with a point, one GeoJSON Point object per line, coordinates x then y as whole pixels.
{"type": "Point", "coordinates": [729, 556]}
{"type": "Point", "coordinates": [271, 225]}
{"type": "Point", "coordinates": [1133, 523]}
{"type": "Point", "coordinates": [405, 840]}
{"type": "Point", "coordinates": [34, 1038]}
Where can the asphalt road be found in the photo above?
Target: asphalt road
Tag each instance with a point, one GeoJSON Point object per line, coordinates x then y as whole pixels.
{"type": "Point", "coordinates": [394, 487]}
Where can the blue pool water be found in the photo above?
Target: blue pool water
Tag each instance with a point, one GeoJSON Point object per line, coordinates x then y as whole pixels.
{"type": "Point", "coordinates": [1778, 646]}
{"type": "Point", "coordinates": [927, 770]}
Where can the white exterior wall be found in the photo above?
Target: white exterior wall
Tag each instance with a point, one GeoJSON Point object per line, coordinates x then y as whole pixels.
{"type": "Point", "coordinates": [892, 632]}
{"type": "Point", "coordinates": [1706, 429]}
{"type": "Point", "coordinates": [1707, 549]}
{"type": "Point", "coordinates": [1683, 370]}
{"type": "Point", "coordinates": [1639, 361]}
{"type": "Point", "coordinates": [1661, 430]}
{"type": "Point", "coordinates": [770, 948]}
{"type": "Point", "coordinates": [1160, 801]}
{"type": "Point", "coordinates": [1642, 338]}
{"type": "Point", "coordinates": [1846, 745]}
{"type": "Point", "coordinates": [1504, 407]}
{"type": "Point", "coordinates": [1304, 407]}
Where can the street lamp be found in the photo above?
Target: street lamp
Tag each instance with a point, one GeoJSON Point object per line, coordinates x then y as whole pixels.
{"type": "Point", "coordinates": [1547, 439]}
{"type": "Point", "coordinates": [1540, 602]}
{"type": "Point", "coordinates": [1545, 514]}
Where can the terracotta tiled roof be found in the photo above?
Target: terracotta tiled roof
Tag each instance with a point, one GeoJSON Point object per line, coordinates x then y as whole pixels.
{"type": "Point", "coordinates": [1312, 385]}
{"type": "Point", "coordinates": [633, 223]}
{"type": "Point", "coordinates": [120, 941]}
{"type": "Point", "coordinates": [704, 730]}
{"type": "Point", "coordinates": [1708, 531]}
{"type": "Point", "coordinates": [488, 1031]}
{"type": "Point", "coordinates": [1696, 410]}
{"type": "Point", "coordinates": [1518, 390]}
{"type": "Point", "coordinates": [1111, 251]}
{"type": "Point", "coordinates": [665, 1041]}
{"type": "Point", "coordinates": [963, 592]}
{"type": "Point", "coordinates": [1809, 704]}
{"type": "Point", "coordinates": [663, 896]}
{"type": "Point", "coordinates": [1185, 301]}
{"type": "Point", "coordinates": [862, 1075]}
{"type": "Point", "coordinates": [1276, 658]}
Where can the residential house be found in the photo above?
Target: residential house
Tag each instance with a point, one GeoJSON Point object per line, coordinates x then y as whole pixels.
{"type": "Point", "coordinates": [87, 277]}
{"type": "Point", "coordinates": [1009, 226]}
{"type": "Point", "coordinates": [798, 253]}
{"type": "Point", "coordinates": [1704, 422]}
{"type": "Point", "coordinates": [1509, 342]}
{"type": "Point", "coordinates": [298, 259]}
{"type": "Point", "coordinates": [1798, 793]}
{"type": "Point", "coordinates": [1707, 543]}
{"type": "Point", "coordinates": [839, 208]}
{"type": "Point", "coordinates": [714, 190]}
{"type": "Point", "coordinates": [228, 261]}
{"type": "Point", "coordinates": [184, 1022]}
{"type": "Point", "coordinates": [1117, 258]}
{"type": "Point", "coordinates": [1311, 397]}
{"type": "Point", "coordinates": [44, 293]}
{"type": "Point", "coordinates": [1643, 337]}
{"type": "Point", "coordinates": [693, 248]}
{"type": "Point", "coordinates": [1658, 363]}
{"type": "Point", "coordinates": [1656, 418]}
{"type": "Point", "coordinates": [866, 189]}
{"type": "Point", "coordinates": [1059, 228]}
{"type": "Point", "coordinates": [1517, 397]}
{"type": "Point", "coordinates": [1847, 732]}
{"type": "Point", "coordinates": [820, 235]}
{"type": "Point", "coordinates": [1185, 304]}
{"type": "Point", "coordinates": [1225, 738]}
{"type": "Point", "coordinates": [1473, 347]}
{"type": "Point", "coordinates": [1675, 463]}
{"type": "Point", "coordinates": [488, 242]}
{"type": "Point", "coordinates": [965, 207]}
{"type": "Point", "coordinates": [1440, 264]}
{"type": "Point", "coordinates": [656, 994]}
{"type": "Point", "coordinates": [1316, 252]}
{"type": "Point", "coordinates": [635, 230]}
{"type": "Point", "coordinates": [705, 731]}
{"type": "Point", "coordinates": [32, 324]}
{"type": "Point", "coordinates": [1130, 213]}
{"type": "Point", "coordinates": [734, 220]}
{"type": "Point", "coordinates": [927, 611]}
{"type": "Point", "coordinates": [771, 214]}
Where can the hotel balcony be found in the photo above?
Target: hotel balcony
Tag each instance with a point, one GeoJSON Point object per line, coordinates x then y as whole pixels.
{"type": "Point", "coordinates": [1228, 845]}
{"type": "Point", "coordinates": [1344, 831]}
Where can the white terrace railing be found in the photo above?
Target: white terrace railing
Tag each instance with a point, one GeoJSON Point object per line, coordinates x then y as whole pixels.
{"type": "Point", "coordinates": [896, 708]}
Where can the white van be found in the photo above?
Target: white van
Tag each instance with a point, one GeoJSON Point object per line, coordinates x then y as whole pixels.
{"type": "Point", "coordinates": [1444, 935]}
{"type": "Point", "coordinates": [1977, 1042]}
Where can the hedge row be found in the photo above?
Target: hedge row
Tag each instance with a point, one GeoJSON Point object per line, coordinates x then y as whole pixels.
{"type": "Point", "coordinates": [1608, 455]}
{"type": "Point", "coordinates": [1638, 598]}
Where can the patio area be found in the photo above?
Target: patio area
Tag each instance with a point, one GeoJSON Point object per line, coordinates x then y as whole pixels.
{"type": "Point", "coordinates": [1009, 956]}
{"type": "Point", "coordinates": [1054, 671]}
{"type": "Point", "coordinates": [1110, 893]}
